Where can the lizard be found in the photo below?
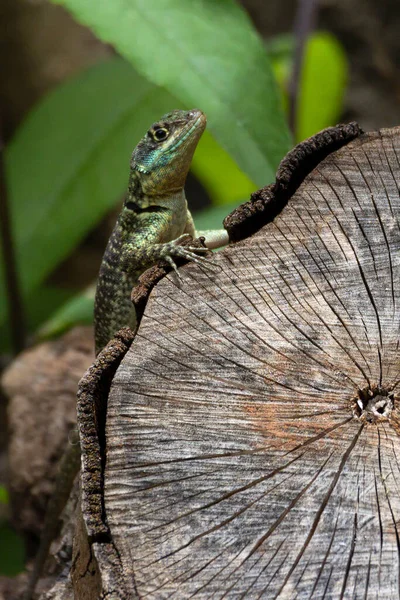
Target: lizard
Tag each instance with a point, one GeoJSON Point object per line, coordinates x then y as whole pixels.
{"type": "Point", "coordinates": [154, 220]}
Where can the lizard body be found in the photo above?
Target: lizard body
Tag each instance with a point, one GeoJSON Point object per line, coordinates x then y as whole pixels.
{"type": "Point", "coordinates": [153, 221]}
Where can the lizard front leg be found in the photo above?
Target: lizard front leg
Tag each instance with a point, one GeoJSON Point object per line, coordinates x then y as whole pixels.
{"type": "Point", "coordinates": [135, 259]}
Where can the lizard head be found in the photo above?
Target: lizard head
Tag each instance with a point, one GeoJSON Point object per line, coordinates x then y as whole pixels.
{"type": "Point", "coordinates": [163, 156]}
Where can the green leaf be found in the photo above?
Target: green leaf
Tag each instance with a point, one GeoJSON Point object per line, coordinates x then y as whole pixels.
{"type": "Point", "coordinates": [322, 85]}
{"type": "Point", "coordinates": [208, 55]}
{"type": "Point", "coordinates": [219, 174]}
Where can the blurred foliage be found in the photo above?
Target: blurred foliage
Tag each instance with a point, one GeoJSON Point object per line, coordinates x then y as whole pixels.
{"type": "Point", "coordinates": [220, 175]}
{"type": "Point", "coordinates": [11, 544]}
{"type": "Point", "coordinates": [4, 496]}
{"type": "Point", "coordinates": [12, 552]}
{"type": "Point", "coordinates": [67, 166]}
{"type": "Point", "coordinates": [79, 309]}
{"type": "Point", "coordinates": [322, 83]}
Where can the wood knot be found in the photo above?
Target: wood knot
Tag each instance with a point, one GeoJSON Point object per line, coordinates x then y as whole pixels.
{"type": "Point", "coordinates": [373, 404]}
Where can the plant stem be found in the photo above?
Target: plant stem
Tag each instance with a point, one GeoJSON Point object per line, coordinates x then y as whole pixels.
{"type": "Point", "coordinates": [303, 26]}
{"type": "Point", "coordinates": [15, 309]}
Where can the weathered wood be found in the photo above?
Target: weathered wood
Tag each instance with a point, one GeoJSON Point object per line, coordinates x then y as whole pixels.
{"type": "Point", "coordinates": [244, 455]}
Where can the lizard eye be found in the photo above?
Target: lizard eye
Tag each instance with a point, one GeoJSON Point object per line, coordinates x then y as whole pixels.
{"type": "Point", "coordinates": [160, 134]}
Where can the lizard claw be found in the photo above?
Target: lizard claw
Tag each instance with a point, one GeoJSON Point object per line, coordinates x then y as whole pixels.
{"type": "Point", "coordinates": [172, 264]}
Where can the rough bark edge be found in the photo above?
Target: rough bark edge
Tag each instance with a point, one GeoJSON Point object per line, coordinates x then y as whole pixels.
{"type": "Point", "coordinates": [265, 204]}
{"type": "Point", "coordinates": [93, 538]}
{"type": "Point", "coordinates": [141, 291]}
{"type": "Point", "coordinates": [91, 410]}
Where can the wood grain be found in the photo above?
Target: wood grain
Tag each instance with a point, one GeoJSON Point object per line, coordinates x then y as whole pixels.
{"type": "Point", "coordinates": [252, 428]}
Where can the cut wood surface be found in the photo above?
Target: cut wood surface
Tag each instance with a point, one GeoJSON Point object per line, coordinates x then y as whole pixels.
{"type": "Point", "coordinates": [252, 427]}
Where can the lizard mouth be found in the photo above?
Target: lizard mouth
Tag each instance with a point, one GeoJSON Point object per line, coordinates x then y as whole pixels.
{"type": "Point", "coordinates": [190, 128]}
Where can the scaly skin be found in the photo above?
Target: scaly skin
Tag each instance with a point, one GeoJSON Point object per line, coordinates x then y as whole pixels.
{"type": "Point", "coordinates": [153, 220]}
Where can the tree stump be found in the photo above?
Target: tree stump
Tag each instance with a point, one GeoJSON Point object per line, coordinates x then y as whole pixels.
{"type": "Point", "coordinates": [251, 436]}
